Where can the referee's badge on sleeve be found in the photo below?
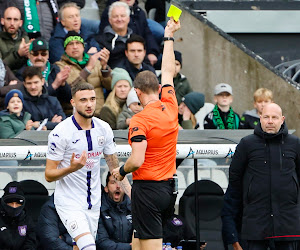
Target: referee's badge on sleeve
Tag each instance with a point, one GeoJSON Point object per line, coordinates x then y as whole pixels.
{"type": "Point", "coordinates": [100, 140]}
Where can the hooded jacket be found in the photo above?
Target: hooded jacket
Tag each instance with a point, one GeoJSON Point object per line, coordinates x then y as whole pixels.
{"type": "Point", "coordinates": [51, 232]}
{"type": "Point", "coordinates": [11, 125]}
{"type": "Point", "coordinates": [42, 107]}
{"type": "Point", "coordinates": [250, 119]}
{"type": "Point", "coordinates": [139, 25]}
{"type": "Point", "coordinates": [115, 224]}
{"type": "Point", "coordinates": [17, 233]}
{"type": "Point", "coordinates": [116, 45]}
{"type": "Point", "coordinates": [264, 184]}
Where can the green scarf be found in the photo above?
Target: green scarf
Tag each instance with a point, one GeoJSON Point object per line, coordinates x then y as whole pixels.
{"type": "Point", "coordinates": [46, 72]}
{"type": "Point", "coordinates": [85, 60]}
{"type": "Point", "coordinates": [230, 121]}
{"type": "Point", "coordinates": [31, 19]}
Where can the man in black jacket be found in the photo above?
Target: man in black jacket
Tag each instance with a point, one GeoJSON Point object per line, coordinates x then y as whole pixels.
{"type": "Point", "coordinates": [135, 53]}
{"type": "Point", "coordinates": [115, 223]}
{"type": "Point", "coordinates": [264, 185]}
{"type": "Point", "coordinates": [37, 102]}
{"type": "Point", "coordinates": [16, 227]}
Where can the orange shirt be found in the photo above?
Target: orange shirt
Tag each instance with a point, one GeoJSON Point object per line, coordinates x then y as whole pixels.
{"type": "Point", "coordinates": [158, 122]}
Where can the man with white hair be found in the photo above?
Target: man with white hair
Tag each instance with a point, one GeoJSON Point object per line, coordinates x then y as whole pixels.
{"type": "Point", "coordinates": [115, 35]}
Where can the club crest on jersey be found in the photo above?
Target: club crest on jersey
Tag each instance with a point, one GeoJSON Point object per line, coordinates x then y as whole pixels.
{"type": "Point", "coordinates": [22, 230]}
{"type": "Point", "coordinates": [73, 226]}
{"type": "Point", "coordinates": [100, 140]}
{"type": "Point", "coordinates": [129, 217]}
{"type": "Point", "coordinates": [176, 222]}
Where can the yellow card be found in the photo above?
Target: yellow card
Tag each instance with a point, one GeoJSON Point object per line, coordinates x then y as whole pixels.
{"type": "Point", "coordinates": [174, 12]}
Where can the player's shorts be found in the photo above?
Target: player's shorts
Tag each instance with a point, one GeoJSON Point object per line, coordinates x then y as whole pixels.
{"type": "Point", "coordinates": [79, 221]}
{"type": "Point", "coordinates": [152, 202]}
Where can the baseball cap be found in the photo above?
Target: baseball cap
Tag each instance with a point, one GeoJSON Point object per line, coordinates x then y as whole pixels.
{"type": "Point", "coordinates": [39, 44]}
{"type": "Point", "coordinates": [223, 87]}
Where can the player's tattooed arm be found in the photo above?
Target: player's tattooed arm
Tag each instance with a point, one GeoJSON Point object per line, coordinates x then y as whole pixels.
{"type": "Point", "coordinates": [112, 163]}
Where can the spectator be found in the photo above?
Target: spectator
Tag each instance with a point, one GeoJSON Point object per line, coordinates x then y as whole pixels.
{"type": "Point", "coordinates": [14, 42]}
{"type": "Point", "coordinates": [17, 229]}
{"type": "Point", "coordinates": [37, 102]}
{"type": "Point", "coordinates": [132, 107]}
{"type": "Point", "coordinates": [55, 80]}
{"type": "Point", "coordinates": [138, 24]}
{"type": "Point", "coordinates": [121, 84]}
{"type": "Point", "coordinates": [190, 105]}
{"type": "Point", "coordinates": [115, 35]}
{"type": "Point", "coordinates": [8, 81]}
{"type": "Point", "coordinates": [222, 116]}
{"type": "Point", "coordinates": [40, 17]}
{"type": "Point", "coordinates": [181, 83]}
{"type": "Point", "coordinates": [51, 232]}
{"type": "Point", "coordinates": [262, 97]}
{"type": "Point", "coordinates": [115, 222]}
{"type": "Point", "coordinates": [263, 181]}
{"type": "Point", "coordinates": [69, 15]}
{"type": "Point", "coordinates": [14, 120]}
{"type": "Point", "coordinates": [135, 54]}
{"type": "Point", "coordinates": [86, 67]}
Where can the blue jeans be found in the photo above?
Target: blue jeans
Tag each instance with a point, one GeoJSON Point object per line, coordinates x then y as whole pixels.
{"type": "Point", "coordinates": [157, 30]}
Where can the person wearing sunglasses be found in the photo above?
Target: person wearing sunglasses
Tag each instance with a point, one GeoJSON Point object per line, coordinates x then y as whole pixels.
{"type": "Point", "coordinates": [55, 78]}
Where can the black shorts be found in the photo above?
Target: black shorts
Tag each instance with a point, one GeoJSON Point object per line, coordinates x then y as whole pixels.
{"type": "Point", "coordinates": [152, 203]}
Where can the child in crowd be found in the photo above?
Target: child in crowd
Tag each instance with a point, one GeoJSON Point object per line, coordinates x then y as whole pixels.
{"type": "Point", "coordinates": [14, 120]}
{"type": "Point", "coordinates": [190, 105]}
{"type": "Point", "coordinates": [250, 118]}
{"type": "Point", "coordinates": [132, 107]}
{"type": "Point", "coordinates": [222, 116]}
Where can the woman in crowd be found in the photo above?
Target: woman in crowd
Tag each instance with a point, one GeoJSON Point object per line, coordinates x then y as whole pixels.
{"type": "Point", "coordinates": [121, 84]}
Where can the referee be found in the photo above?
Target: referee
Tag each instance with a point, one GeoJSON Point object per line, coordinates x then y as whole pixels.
{"type": "Point", "coordinates": [153, 136]}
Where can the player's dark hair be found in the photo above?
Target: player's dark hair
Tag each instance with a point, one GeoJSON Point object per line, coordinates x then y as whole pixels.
{"type": "Point", "coordinates": [107, 177]}
{"type": "Point", "coordinates": [135, 39]}
{"type": "Point", "coordinates": [81, 86]}
{"type": "Point", "coordinates": [32, 71]}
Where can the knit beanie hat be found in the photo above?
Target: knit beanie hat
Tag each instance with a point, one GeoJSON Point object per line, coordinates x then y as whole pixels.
{"type": "Point", "coordinates": [120, 74]}
{"type": "Point", "coordinates": [72, 36]}
{"type": "Point", "coordinates": [132, 97]}
{"type": "Point", "coordinates": [12, 93]}
{"type": "Point", "coordinates": [194, 101]}
{"type": "Point", "coordinates": [178, 57]}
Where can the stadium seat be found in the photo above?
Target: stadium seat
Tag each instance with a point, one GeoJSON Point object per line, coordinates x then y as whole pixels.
{"type": "Point", "coordinates": [210, 197]}
{"type": "Point", "coordinates": [36, 195]}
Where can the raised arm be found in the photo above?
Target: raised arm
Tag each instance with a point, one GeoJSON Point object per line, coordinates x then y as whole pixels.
{"type": "Point", "coordinates": [168, 59]}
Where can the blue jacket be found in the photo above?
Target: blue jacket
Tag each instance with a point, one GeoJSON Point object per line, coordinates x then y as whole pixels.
{"type": "Point", "coordinates": [56, 43]}
{"type": "Point", "coordinates": [115, 224]}
{"type": "Point", "coordinates": [139, 25]}
{"type": "Point", "coordinates": [42, 107]}
{"type": "Point", "coordinates": [50, 227]}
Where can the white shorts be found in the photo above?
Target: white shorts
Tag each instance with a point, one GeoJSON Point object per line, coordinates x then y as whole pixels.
{"type": "Point", "coordinates": [79, 221]}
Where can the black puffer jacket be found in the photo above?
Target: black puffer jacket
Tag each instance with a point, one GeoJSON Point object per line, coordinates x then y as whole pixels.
{"type": "Point", "coordinates": [264, 175]}
{"type": "Point", "coordinates": [16, 233]}
{"type": "Point", "coordinates": [115, 224]}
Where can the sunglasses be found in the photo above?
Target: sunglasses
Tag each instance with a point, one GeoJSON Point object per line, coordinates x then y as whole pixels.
{"type": "Point", "coordinates": [42, 53]}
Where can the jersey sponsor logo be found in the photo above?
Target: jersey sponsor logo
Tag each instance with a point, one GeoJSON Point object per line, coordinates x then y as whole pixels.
{"type": "Point", "coordinates": [73, 226]}
{"type": "Point", "coordinates": [134, 129]}
{"type": "Point", "coordinates": [52, 146]}
{"type": "Point", "coordinates": [171, 92]}
{"type": "Point", "coordinates": [22, 230]}
{"type": "Point", "coordinates": [74, 142]}
{"type": "Point", "coordinates": [100, 140]}
{"type": "Point", "coordinates": [90, 154]}
{"type": "Point", "coordinates": [89, 164]}
{"type": "Point", "coordinates": [3, 228]}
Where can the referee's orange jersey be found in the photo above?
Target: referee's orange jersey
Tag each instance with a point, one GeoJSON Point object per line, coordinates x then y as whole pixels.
{"type": "Point", "coordinates": [158, 123]}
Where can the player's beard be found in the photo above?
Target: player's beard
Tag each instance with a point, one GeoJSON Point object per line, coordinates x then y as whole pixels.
{"type": "Point", "coordinates": [84, 115]}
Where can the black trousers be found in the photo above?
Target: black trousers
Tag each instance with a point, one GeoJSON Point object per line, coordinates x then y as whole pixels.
{"type": "Point", "coordinates": [272, 245]}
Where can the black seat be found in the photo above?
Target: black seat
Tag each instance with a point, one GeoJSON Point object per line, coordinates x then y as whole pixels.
{"type": "Point", "coordinates": [210, 197]}
{"type": "Point", "coordinates": [36, 194]}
